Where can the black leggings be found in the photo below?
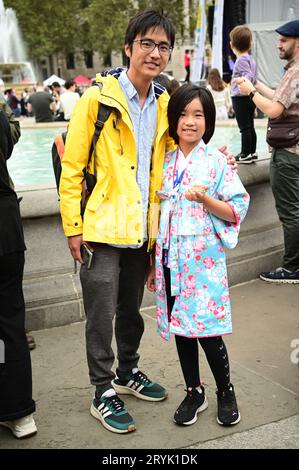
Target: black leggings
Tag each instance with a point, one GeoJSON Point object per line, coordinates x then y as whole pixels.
{"type": "Point", "coordinates": [187, 348]}
{"type": "Point", "coordinates": [217, 358]}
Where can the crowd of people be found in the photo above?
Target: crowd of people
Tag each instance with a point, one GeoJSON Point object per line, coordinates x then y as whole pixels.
{"type": "Point", "coordinates": [45, 103]}
{"type": "Point", "coordinates": [182, 203]}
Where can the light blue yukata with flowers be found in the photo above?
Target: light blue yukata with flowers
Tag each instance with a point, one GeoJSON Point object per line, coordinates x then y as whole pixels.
{"type": "Point", "coordinates": [195, 240]}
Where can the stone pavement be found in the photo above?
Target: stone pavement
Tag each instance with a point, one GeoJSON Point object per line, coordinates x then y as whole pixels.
{"type": "Point", "coordinates": [263, 369]}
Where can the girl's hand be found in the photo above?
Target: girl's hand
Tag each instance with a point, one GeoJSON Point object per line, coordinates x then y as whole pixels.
{"type": "Point", "coordinates": [151, 280]}
{"type": "Point", "coordinates": [196, 193]}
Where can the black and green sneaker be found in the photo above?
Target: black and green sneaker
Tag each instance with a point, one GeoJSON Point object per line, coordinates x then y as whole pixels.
{"type": "Point", "coordinates": [138, 384]}
{"type": "Point", "coordinates": [112, 414]}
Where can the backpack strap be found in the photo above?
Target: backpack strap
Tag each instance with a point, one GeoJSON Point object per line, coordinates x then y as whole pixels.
{"type": "Point", "coordinates": [103, 114]}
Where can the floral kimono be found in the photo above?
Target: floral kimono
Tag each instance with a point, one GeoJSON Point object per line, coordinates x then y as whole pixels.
{"type": "Point", "coordinates": [194, 241]}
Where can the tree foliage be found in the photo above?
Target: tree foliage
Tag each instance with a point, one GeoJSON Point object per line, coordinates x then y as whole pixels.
{"type": "Point", "coordinates": [52, 26]}
{"type": "Point", "coordinates": [47, 26]}
{"type": "Point", "coordinates": [108, 19]}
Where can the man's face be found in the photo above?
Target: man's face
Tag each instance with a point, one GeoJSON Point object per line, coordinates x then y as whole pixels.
{"type": "Point", "coordinates": [287, 47]}
{"type": "Point", "coordinates": [148, 64]}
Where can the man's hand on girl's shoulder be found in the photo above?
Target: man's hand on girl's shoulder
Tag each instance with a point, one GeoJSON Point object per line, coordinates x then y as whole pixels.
{"type": "Point", "coordinates": [229, 156]}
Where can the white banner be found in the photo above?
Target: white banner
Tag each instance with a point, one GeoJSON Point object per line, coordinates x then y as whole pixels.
{"type": "Point", "coordinates": [217, 36]}
{"type": "Point", "coordinates": [197, 65]}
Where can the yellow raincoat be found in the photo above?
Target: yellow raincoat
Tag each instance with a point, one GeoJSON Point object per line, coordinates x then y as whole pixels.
{"type": "Point", "coordinates": [114, 210]}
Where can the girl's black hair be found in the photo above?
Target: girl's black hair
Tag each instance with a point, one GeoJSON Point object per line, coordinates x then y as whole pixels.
{"type": "Point", "coordinates": [178, 102]}
{"type": "Point", "coordinates": [146, 20]}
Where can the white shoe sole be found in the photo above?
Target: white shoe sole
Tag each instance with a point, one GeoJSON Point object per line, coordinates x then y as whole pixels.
{"type": "Point", "coordinates": [95, 413]}
{"type": "Point", "coordinates": [280, 281]}
{"type": "Point", "coordinates": [230, 424]}
{"type": "Point", "coordinates": [124, 390]}
{"type": "Point", "coordinates": [203, 407]}
{"type": "Point", "coordinates": [26, 431]}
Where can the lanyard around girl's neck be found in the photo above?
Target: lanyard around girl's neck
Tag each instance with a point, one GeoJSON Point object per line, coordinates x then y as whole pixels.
{"type": "Point", "coordinates": [177, 179]}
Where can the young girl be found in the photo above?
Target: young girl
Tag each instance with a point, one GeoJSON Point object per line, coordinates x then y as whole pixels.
{"type": "Point", "coordinates": [220, 93]}
{"type": "Point", "coordinates": [202, 205]}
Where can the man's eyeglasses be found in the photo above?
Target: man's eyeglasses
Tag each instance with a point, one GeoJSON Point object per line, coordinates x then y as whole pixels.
{"type": "Point", "coordinates": [147, 45]}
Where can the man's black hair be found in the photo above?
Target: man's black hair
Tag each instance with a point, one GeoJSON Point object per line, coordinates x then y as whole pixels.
{"type": "Point", "coordinates": [146, 20]}
{"type": "Point", "coordinates": [178, 102]}
{"type": "Point", "coordinates": [68, 84]}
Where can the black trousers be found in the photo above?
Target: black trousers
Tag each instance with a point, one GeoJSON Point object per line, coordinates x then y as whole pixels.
{"type": "Point", "coordinates": [187, 78]}
{"type": "Point", "coordinates": [187, 348]}
{"type": "Point", "coordinates": [284, 179]}
{"type": "Point", "coordinates": [244, 109]}
{"type": "Point", "coordinates": [15, 363]}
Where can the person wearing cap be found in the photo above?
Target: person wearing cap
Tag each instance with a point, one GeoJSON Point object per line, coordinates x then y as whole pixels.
{"type": "Point", "coordinates": [284, 166]}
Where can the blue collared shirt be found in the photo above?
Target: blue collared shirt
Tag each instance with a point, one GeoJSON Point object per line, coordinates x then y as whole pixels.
{"type": "Point", "coordinates": [144, 125]}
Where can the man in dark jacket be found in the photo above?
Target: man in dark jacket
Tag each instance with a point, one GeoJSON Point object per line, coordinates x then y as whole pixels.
{"type": "Point", "coordinates": [16, 403]}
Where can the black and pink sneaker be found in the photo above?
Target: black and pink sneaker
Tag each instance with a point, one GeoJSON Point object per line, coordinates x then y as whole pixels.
{"type": "Point", "coordinates": [195, 402]}
{"type": "Point", "coordinates": [228, 413]}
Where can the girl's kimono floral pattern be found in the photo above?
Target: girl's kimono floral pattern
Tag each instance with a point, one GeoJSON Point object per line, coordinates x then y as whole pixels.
{"type": "Point", "coordinates": [195, 240]}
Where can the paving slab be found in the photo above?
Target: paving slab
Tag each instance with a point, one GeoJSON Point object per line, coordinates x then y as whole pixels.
{"type": "Point", "coordinates": [264, 371]}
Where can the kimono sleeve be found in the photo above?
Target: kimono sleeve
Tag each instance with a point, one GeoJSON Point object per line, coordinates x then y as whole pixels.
{"type": "Point", "coordinates": [229, 189]}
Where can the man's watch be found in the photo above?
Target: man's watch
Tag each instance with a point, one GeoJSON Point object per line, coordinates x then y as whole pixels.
{"type": "Point", "coordinates": [252, 93]}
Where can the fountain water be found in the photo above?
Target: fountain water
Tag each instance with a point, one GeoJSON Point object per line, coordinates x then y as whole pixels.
{"type": "Point", "coordinates": [14, 67]}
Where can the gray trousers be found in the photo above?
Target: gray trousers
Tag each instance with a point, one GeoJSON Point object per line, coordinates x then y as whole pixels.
{"type": "Point", "coordinates": [113, 286]}
{"type": "Point", "coordinates": [284, 178]}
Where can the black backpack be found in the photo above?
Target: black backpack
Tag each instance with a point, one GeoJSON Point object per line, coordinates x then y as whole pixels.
{"type": "Point", "coordinates": [58, 148]}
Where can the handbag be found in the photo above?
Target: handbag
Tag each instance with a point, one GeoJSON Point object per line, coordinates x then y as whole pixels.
{"type": "Point", "coordinates": [283, 132]}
